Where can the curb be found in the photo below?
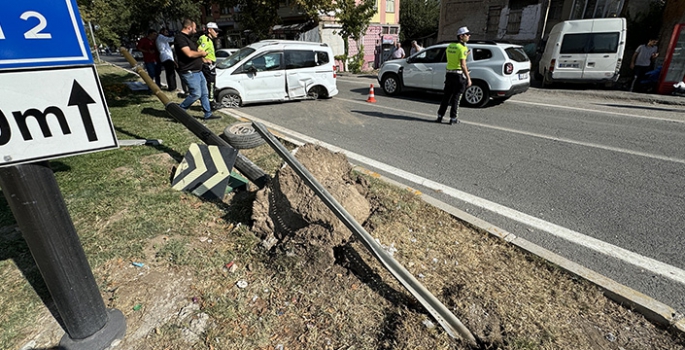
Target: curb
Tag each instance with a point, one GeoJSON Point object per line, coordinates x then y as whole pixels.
{"type": "Point", "coordinates": [655, 311]}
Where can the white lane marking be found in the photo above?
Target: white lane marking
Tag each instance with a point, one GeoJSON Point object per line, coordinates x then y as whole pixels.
{"type": "Point", "coordinates": [574, 108]}
{"type": "Point", "coordinates": [542, 136]}
{"type": "Point", "coordinates": [627, 256]}
{"type": "Point", "coordinates": [598, 111]}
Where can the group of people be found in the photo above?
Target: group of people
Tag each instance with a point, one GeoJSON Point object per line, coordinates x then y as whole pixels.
{"type": "Point", "coordinates": [193, 59]}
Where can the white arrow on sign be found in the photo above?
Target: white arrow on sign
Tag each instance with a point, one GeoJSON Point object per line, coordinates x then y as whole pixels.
{"type": "Point", "coordinates": [52, 113]}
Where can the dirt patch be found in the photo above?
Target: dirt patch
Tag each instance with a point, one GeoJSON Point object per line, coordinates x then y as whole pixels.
{"type": "Point", "coordinates": [290, 218]}
{"type": "Point", "coordinates": [316, 287]}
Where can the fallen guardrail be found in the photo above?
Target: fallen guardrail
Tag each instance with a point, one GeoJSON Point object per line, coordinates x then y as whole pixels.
{"type": "Point", "coordinates": [437, 309]}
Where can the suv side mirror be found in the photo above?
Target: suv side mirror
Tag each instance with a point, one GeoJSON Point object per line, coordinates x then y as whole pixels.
{"type": "Point", "coordinates": [252, 69]}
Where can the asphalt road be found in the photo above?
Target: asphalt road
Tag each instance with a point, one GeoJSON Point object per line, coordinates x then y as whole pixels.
{"type": "Point", "coordinates": [596, 179]}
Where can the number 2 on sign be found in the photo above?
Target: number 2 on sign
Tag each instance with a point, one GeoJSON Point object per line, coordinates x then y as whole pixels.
{"type": "Point", "coordinates": [33, 33]}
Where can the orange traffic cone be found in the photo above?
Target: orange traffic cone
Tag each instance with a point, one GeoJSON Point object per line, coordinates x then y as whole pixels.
{"type": "Point", "coordinates": [371, 98]}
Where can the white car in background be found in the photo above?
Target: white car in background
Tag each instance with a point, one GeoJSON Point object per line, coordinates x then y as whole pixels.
{"type": "Point", "coordinates": [276, 70]}
{"type": "Point", "coordinates": [222, 54]}
{"type": "Point", "coordinates": [498, 71]}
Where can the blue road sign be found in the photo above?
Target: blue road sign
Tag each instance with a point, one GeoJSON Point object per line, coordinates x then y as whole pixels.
{"type": "Point", "coordinates": [42, 33]}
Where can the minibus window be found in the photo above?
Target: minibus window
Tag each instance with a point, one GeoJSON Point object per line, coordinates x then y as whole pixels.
{"type": "Point", "coordinates": [235, 58]}
{"type": "Point", "coordinates": [590, 43]}
{"type": "Point", "coordinates": [574, 43]}
{"type": "Point", "coordinates": [604, 43]}
{"type": "Point", "coordinates": [322, 57]}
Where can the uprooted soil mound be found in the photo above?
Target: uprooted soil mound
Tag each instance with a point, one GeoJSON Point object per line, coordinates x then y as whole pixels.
{"type": "Point", "coordinates": [290, 218]}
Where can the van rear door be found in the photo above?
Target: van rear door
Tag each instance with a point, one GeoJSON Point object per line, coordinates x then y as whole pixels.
{"type": "Point", "coordinates": [572, 56]}
{"type": "Point", "coordinates": [605, 51]}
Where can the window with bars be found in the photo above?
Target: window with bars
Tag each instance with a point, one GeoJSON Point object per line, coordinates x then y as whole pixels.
{"type": "Point", "coordinates": [514, 22]}
{"type": "Point", "coordinates": [493, 19]}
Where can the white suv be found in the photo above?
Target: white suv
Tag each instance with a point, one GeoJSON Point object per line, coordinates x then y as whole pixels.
{"type": "Point", "coordinates": [497, 70]}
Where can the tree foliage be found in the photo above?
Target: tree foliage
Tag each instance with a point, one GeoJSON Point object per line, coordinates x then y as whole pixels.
{"type": "Point", "coordinates": [419, 18]}
{"type": "Point", "coordinates": [120, 21]}
{"type": "Point", "coordinates": [314, 8]}
{"type": "Point", "coordinates": [354, 18]}
{"type": "Point", "coordinates": [258, 16]}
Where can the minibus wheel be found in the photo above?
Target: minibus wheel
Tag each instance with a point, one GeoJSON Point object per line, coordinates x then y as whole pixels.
{"type": "Point", "coordinates": [242, 136]}
{"type": "Point", "coordinates": [229, 98]}
{"type": "Point", "coordinates": [316, 92]}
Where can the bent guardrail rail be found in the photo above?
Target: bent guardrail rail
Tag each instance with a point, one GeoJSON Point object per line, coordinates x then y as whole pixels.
{"type": "Point", "coordinates": [437, 309]}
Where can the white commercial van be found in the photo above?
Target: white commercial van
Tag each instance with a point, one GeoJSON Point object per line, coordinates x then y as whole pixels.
{"type": "Point", "coordinates": [276, 70]}
{"type": "Point", "coordinates": [584, 51]}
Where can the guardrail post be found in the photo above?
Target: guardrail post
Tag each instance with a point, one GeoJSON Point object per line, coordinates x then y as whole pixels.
{"type": "Point", "coordinates": [34, 196]}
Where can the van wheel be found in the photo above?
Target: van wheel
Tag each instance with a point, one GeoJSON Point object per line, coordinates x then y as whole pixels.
{"type": "Point", "coordinates": [317, 92]}
{"type": "Point", "coordinates": [242, 136]}
{"type": "Point", "coordinates": [229, 98]}
{"type": "Point", "coordinates": [477, 95]}
{"type": "Point", "coordinates": [391, 84]}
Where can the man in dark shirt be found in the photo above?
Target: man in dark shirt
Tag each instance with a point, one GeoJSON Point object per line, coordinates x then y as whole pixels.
{"type": "Point", "coordinates": [190, 68]}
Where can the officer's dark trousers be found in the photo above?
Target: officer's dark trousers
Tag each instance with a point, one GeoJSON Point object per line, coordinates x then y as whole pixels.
{"type": "Point", "coordinates": [455, 85]}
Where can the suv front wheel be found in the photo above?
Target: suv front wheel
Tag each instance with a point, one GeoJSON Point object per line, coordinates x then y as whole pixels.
{"type": "Point", "coordinates": [477, 95]}
{"type": "Point", "coordinates": [391, 84]}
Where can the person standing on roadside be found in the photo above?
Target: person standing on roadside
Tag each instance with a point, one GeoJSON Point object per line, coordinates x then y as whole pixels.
{"type": "Point", "coordinates": [642, 60]}
{"type": "Point", "coordinates": [415, 47]}
{"type": "Point", "coordinates": [457, 78]}
{"type": "Point", "coordinates": [190, 68]}
{"type": "Point", "coordinates": [206, 44]}
{"type": "Point", "coordinates": [166, 55]}
{"type": "Point", "coordinates": [398, 52]}
{"type": "Point", "coordinates": [147, 46]}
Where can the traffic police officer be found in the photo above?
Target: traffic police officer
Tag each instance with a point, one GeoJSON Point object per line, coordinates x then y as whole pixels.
{"type": "Point", "coordinates": [457, 78]}
{"type": "Point", "coordinates": [206, 43]}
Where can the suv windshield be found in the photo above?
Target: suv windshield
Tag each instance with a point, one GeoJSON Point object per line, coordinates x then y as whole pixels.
{"type": "Point", "coordinates": [517, 54]}
{"type": "Point", "coordinates": [235, 58]}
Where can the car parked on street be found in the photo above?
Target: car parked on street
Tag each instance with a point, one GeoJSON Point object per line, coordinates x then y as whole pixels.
{"type": "Point", "coordinates": [498, 71]}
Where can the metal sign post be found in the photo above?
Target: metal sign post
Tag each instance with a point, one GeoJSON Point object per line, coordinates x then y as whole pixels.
{"type": "Point", "coordinates": [52, 105]}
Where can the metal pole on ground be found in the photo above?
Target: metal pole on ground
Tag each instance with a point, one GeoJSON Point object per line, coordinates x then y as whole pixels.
{"type": "Point", "coordinates": [449, 322]}
{"type": "Point", "coordinates": [244, 165]}
{"type": "Point", "coordinates": [34, 196]}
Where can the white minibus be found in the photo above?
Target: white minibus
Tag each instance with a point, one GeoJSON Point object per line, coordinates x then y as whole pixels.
{"type": "Point", "coordinates": [276, 70]}
{"type": "Point", "coordinates": [584, 51]}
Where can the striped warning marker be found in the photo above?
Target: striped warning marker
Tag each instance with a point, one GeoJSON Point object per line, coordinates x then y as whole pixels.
{"type": "Point", "coordinates": [205, 170]}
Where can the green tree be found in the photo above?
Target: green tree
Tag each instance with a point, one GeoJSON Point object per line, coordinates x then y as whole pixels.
{"type": "Point", "coordinates": [259, 16]}
{"type": "Point", "coordinates": [313, 8]}
{"type": "Point", "coordinates": [419, 18]}
{"type": "Point", "coordinates": [354, 18]}
{"type": "Point", "coordinates": [119, 21]}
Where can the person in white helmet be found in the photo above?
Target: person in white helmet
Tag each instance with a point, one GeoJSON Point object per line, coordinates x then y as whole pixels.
{"type": "Point", "coordinates": [457, 78]}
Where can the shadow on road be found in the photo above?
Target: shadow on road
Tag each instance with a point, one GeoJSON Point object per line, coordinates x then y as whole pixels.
{"type": "Point", "coordinates": [392, 116]}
